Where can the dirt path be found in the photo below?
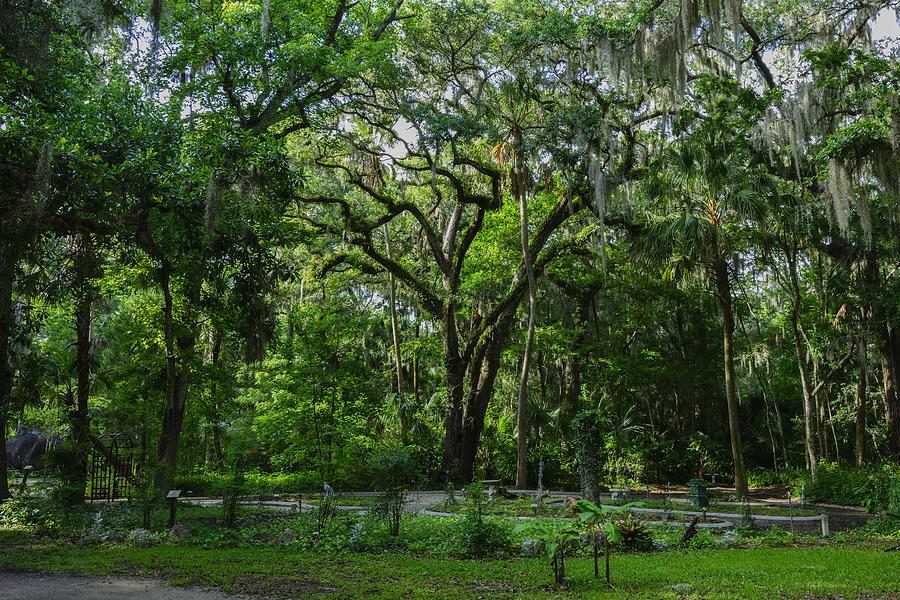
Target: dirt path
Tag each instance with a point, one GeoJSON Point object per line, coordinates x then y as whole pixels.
{"type": "Point", "coordinates": [22, 585]}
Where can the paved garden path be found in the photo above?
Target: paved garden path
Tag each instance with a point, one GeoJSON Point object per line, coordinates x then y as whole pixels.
{"type": "Point", "coordinates": [840, 517]}
{"type": "Point", "coordinates": [23, 585]}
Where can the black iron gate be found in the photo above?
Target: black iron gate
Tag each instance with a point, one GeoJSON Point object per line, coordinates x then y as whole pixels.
{"type": "Point", "coordinates": [112, 467]}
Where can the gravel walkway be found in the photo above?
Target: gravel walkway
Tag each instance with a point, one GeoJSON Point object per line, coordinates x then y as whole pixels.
{"type": "Point", "coordinates": [15, 585]}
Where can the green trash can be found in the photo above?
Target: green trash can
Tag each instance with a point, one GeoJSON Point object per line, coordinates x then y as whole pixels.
{"type": "Point", "coordinates": [698, 492]}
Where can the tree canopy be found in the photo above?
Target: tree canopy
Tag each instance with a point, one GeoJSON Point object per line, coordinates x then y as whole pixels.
{"type": "Point", "coordinates": [612, 241]}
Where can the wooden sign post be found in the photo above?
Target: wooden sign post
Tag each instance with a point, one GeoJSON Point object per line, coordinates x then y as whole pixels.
{"type": "Point", "coordinates": [172, 497]}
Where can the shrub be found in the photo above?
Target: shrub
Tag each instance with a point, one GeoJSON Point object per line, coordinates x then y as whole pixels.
{"type": "Point", "coordinates": [232, 493]}
{"type": "Point", "coordinates": [634, 534]}
{"type": "Point", "coordinates": [69, 483]}
{"type": "Point", "coordinates": [397, 468]}
{"type": "Point", "coordinates": [432, 535]}
{"type": "Point", "coordinates": [703, 539]}
{"type": "Point", "coordinates": [477, 536]}
{"type": "Point", "coordinates": [255, 483]}
{"type": "Point", "coordinates": [870, 487]}
{"type": "Point", "coordinates": [762, 477]}
{"type": "Point", "coordinates": [41, 513]}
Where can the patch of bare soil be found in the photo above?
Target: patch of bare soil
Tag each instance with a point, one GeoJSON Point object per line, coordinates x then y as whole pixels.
{"type": "Point", "coordinates": [279, 587]}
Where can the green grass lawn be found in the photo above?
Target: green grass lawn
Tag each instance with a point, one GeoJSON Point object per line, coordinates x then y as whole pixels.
{"type": "Point", "coordinates": [429, 560]}
{"type": "Point", "coordinates": [810, 572]}
{"type": "Point", "coordinates": [363, 501]}
{"type": "Point", "coordinates": [520, 507]}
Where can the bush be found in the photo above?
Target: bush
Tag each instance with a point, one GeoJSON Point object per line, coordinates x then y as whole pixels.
{"type": "Point", "coordinates": [41, 513]}
{"type": "Point", "coordinates": [255, 483]}
{"type": "Point", "coordinates": [703, 539]}
{"type": "Point", "coordinates": [477, 536]}
{"type": "Point", "coordinates": [762, 477]}
{"type": "Point", "coordinates": [69, 483]}
{"type": "Point", "coordinates": [871, 487]}
{"type": "Point", "coordinates": [395, 469]}
{"type": "Point", "coordinates": [634, 535]}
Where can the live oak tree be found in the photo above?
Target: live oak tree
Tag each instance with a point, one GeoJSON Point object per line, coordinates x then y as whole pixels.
{"type": "Point", "coordinates": [446, 186]}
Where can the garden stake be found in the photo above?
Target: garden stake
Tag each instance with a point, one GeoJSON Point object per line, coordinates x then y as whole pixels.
{"type": "Point", "coordinates": [606, 543]}
{"type": "Point", "coordinates": [791, 508]}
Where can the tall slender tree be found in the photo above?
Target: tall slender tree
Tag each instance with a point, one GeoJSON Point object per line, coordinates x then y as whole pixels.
{"type": "Point", "coordinates": [710, 197]}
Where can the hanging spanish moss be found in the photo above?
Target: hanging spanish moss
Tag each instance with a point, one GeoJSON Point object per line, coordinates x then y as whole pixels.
{"type": "Point", "coordinates": [734, 13]}
{"type": "Point", "coordinates": [639, 48]}
{"type": "Point", "coordinates": [628, 67]}
{"type": "Point", "coordinates": [689, 19]}
{"type": "Point", "coordinates": [865, 217]}
{"type": "Point", "coordinates": [797, 135]}
{"type": "Point", "coordinates": [264, 19]}
{"type": "Point", "coordinates": [895, 131]}
{"type": "Point", "coordinates": [669, 66]}
{"type": "Point", "coordinates": [88, 18]}
{"type": "Point", "coordinates": [713, 16]}
{"type": "Point", "coordinates": [884, 168]}
{"type": "Point", "coordinates": [213, 204]}
{"type": "Point", "coordinates": [839, 190]}
{"type": "Point", "coordinates": [41, 180]}
{"type": "Point", "coordinates": [599, 180]}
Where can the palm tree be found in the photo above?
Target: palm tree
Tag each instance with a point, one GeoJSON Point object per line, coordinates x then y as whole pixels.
{"type": "Point", "coordinates": [708, 196]}
{"type": "Point", "coordinates": [516, 113]}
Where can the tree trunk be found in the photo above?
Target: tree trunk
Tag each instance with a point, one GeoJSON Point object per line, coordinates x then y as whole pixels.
{"type": "Point", "coordinates": [892, 414]}
{"type": "Point", "coordinates": [214, 404]}
{"type": "Point", "coordinates": [455, 372]}
{"type": "Point", "coordinates": [7, 318]}
{"type": "Point", "coordinates": [482, 373]}
{"type": "Point", "coordinates": [830, 417]}
{"type": "Point", "coordinates": [860, 438]}
{"type": "Point", "coordinates": [4, 468]}
{"type": "Point", "coordinates": [477, 366]}
{"type": "Point", "coordinates": [808, 408]}
{"type": "Point", "coordinates": [573, 358]}
{"type": "Point", "coordinates": [522, 414]}
{"type": "Point", "coordinates": [79, 418]}
{"type": "Point", "coordinates": [415, 365]}
{"type": "Point", "coordinates": [178, 377]}
{"type": "Point", "coordinates": [887, 348]}
{"type": "Point", "coordinates": [395, 336]}
{"type": "Point", "coordinates": [723, 284]}
{"type": "Point", "coordinates": [779, 422]}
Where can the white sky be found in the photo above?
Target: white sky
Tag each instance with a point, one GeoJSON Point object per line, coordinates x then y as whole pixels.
{"type": "Point", "coordinates": [886, 26]}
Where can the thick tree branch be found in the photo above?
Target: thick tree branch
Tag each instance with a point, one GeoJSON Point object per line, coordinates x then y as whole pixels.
{"type": "Point", "coordinates": [755, 54]}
